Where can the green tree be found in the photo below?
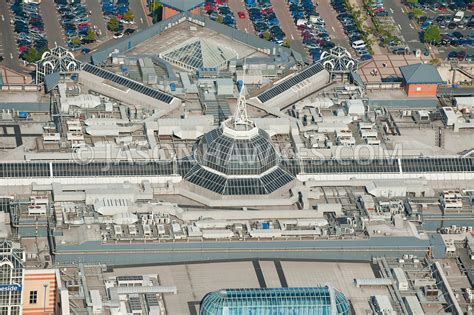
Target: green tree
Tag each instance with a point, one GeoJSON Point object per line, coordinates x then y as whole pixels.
{"type": "Point", "coordinates": [432, 34]}
{"type": "Point", "coordinates": [76, 40]}
{"type": "Point", "coordinates": [156, 10]}
{"type": "Point", "coordinates": [32, 55]}
{"type": "Point", "coordinates": [266, 36]}
{"type": "Point", "coordinates": [417, 12]}
{"type": "Point", "coordinates": [113, 24]}
{"type": "Point", "coordinates": [90, 36]}
{"type": "Point", "coordinates": [128, 16]}
{"type": "Point", "coordinates": [220, 19]}
{"type": "Point", "coordinates": [412, 1]}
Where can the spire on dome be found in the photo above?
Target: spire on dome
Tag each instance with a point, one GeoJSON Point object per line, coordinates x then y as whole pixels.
{"type": "Point", "coordinates": [240, 115]}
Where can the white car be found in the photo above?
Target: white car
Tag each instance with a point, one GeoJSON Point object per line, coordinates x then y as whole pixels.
{"type": "Point", "coordinates": [118, 35]}
{"type": "Point", "coordinates": [458, 17]}
{"type": "Point", "coordinates": [358, 44]}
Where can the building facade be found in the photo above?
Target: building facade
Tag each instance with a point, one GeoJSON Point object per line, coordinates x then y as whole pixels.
{"type": "Point", "coordinates": [421, 80]}
{"type": "Point", "coordinates": [40, 294]}
{"type": "Point", "coordinates": [421, 90]}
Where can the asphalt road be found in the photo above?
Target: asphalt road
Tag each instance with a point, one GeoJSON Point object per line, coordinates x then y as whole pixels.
{"type": "Point", "coordinates": [244, 25]}
{"type": "Point", "coordinates": [54, 30]}
{"type": "Point", "coordinates": [407, 28]}
{"type": "Point", "coordinates": [140, 12]}
{"type": "Point", "coordinates": [8, 48]}
{"type": "Point", "coordinates": [97, 18]}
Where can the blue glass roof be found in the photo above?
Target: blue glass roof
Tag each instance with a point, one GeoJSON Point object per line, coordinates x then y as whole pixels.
{"type": "Point", "coordinates": [310, 301]}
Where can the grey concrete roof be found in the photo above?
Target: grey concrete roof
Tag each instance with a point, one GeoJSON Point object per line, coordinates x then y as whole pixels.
{"type": "Point", "coordinates": [26, 106]}
{"type": "Point", "coordinates": [421, 73]}
{"type": "Point", "coordinates": [153, 253]}
{"type": "Point", "coordinates": [418, 103]}
{"type": "Point", "coordinates": [182, 5]}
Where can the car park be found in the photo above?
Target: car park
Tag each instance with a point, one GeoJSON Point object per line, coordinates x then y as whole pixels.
{"type": "Point", "coordinates": [312, 27]}
{"type": "Point", "coordinates": [75, 22]}
{"type": "Point", "coordinates": [265, 21]}
{"type": "Point", "coordinates": [219, 10]}
{"type": "Point", "coordinates": [28, 26]}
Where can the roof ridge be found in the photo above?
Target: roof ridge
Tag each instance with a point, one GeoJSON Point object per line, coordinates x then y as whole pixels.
{"type": "Point", "coordinates": [418, 67]}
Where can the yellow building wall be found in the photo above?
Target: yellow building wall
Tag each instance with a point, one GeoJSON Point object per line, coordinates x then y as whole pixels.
{"type": "Point", "coordinates": [35, 280]}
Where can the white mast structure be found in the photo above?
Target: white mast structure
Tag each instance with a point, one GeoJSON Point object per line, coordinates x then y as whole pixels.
{"type": "Point", "coordinates": [240, 115]}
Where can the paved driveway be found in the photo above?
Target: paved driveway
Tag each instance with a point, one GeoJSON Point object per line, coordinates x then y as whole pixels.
{"type": "Point", "coordinates": [333, 26]}
{"type": "Point", "coordinates": [245, 25]}
{"type": "Point", "coordinates": [288, 26]}
{"type": "Point", "coordinates": [140, 12]}
{"type": "Point", "coordinates": [407, 28]}
{"type": "Point", "coordinates": [8, 47]}
{"type": "Point", "coordinates": [97, 18]}
{"type": "Point", "coordinates": [54, 30]}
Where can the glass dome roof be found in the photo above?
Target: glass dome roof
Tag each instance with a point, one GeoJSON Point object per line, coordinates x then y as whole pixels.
{"type": "Point", "coordinates": [225, 153]}
{"type": "Point", "coordinates": [314, 301]}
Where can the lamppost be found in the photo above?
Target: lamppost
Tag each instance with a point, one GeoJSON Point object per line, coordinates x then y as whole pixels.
{"type": "Point", "coordinates": [45, 285]}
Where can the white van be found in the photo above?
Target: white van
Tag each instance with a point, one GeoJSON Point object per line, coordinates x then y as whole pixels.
{"type": "Point", "coordinates": [458, 17]}
{"type": "Point", "coordinates": [301, 22]}
{"type": "Point", "coordinates": [358, 44]}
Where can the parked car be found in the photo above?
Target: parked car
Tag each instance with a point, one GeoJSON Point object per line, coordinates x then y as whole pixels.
{"type": "Point", "coordinates": [452, 55]}
{"type": "Point", "coordinates": [358, 44]}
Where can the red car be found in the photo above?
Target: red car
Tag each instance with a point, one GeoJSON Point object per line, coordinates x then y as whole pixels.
{"type": "Point", "coordinates": [461, 55]}
{"type": "Point", "coordinates": [210, 6]}
{"type": "Point", "coordinates": [443, 9]}
{"type": "Point", "coordinates": [241, 15]}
